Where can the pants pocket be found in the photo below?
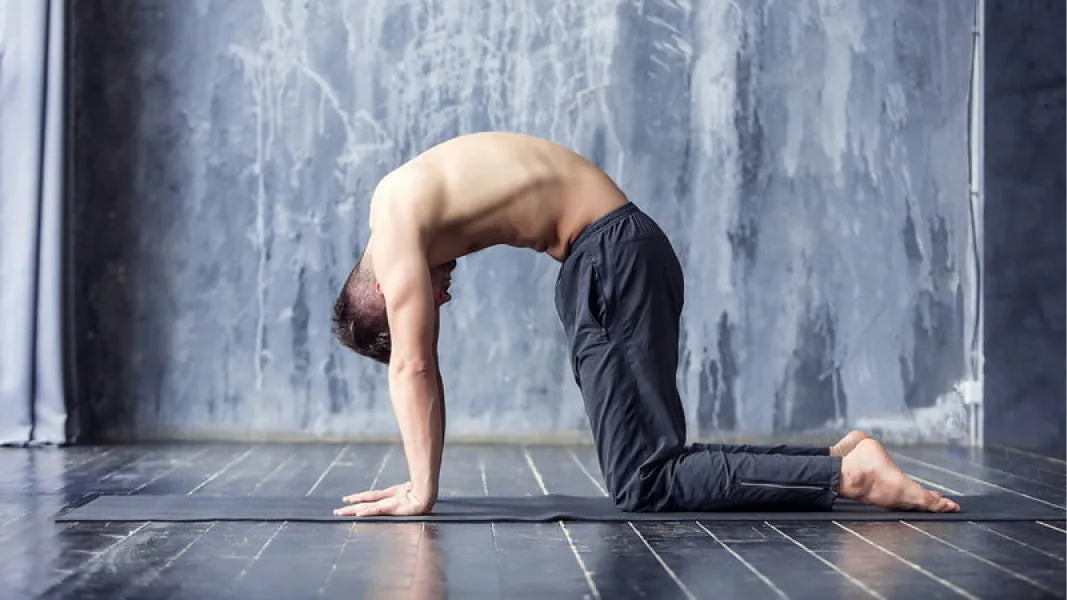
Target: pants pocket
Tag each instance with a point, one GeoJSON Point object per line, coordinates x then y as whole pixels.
{"type": "Point", "coordinates": [596, 300]}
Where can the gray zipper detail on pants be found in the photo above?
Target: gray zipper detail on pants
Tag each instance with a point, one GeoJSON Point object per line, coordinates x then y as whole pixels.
{"type": "Point", "coordinates": [785, 486]}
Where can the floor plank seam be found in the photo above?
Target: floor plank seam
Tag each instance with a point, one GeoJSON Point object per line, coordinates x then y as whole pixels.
{"type": "Point", "coordinates": [912, 565]}
{"type": "Point", "coordinates": [1059, 529]}
{"type": "Point", "coordinates": [983, 482]}
{"type": "Point", "coordinates": [1019, 542]}
{"type": "Point", "coordinates": [847, 576]}
{"type": "Point", "coordinates": [327, 470]}
{"type": "Point", "coordinates": [984, 560]}
{"type": "Point", "coordinates": [752, 568]}
{"type": "Point", "coordinates": [563, 526]}
{"type": "Point", "coordinates": [219, 473]}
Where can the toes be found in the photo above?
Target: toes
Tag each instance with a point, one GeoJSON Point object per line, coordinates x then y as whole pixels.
{"type": "Point", "coordinates": [942, 504]}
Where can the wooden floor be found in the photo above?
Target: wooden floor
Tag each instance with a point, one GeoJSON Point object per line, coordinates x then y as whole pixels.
{"type": "Point", "coordinates": [41, 558]}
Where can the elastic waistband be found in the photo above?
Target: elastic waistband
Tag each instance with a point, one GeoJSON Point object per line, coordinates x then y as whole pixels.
{"type": "Point", "coordinates": [598, 226]}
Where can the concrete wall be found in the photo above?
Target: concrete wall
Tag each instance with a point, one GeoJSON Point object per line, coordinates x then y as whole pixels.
{"type": "Point", "coordinates": [1025, 225]}
{"type": "Point", "coordinates": [808, 159]}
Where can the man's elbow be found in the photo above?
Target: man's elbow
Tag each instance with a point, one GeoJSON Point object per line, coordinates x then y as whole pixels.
{"type": "Point", "coordinates": [413, 367]}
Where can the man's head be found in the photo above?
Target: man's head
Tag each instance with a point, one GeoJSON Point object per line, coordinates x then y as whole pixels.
{"type": "Point", "coordinates": [360, 321]}
{"type": "Point", "coordinates": [359, 318]}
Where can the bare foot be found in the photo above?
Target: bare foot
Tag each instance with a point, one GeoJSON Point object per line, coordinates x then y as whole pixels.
{"type": "Point", "coordinates": [869, 475]}
{"type": "Point", "coordinates": [847, 443]}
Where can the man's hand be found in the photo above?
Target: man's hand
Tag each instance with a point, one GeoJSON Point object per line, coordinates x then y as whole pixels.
{"type": "Point", "coordinates": [399, 500]}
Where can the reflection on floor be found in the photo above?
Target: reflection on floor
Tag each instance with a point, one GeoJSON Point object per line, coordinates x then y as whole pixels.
{"type": "Point", "coordinates": [455, 560]}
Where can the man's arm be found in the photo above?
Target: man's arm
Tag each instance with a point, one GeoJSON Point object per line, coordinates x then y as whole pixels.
{"type": "Point", "coordinates": [414, 385]}
{"type": "Point", "coordinates": [440, 381]}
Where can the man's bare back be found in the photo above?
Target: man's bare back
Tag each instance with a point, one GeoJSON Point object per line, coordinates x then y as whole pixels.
{"type": "Point", "coordinates": [489, 189]}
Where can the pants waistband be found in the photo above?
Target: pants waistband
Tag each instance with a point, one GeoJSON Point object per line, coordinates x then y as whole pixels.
{"type": "Point", "coordinates": [597, 227]}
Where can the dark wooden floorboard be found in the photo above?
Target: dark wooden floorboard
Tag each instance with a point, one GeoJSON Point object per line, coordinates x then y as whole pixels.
{"type": "Point", "coordinates": [707, 567]}
{"type": "Point", "coordinates": [245, 478]}
{"type": "Point", "coordinates": [353, 471]}
{"type": "Point", "coordinates": [217, 562]}
{"type": "Point", "coordinates": [45, 470]}
{"type": "Point", "coordinates": [353, 568]}
{"type": "Point", "coordinates": [86, 477]}
{"type": "Point", "coordinates": [29, 544]}
{"type": "Point", "coordinates": [130, 567]}
{"type": "Point", "coordinates": [1034, 535]}
{"type": "Point", "coordinates": [1029, 537]}
{"type": "Point", "coordinates": [296, 562]}
{"type": "Point", "coordinates": [53, 470]}
{"type": "Point", "coordinates": [301, 469]}
{"type": "Point", "coordinates": [150, 464]}
{"type": "Point", "coordinates": [1038, 458]}
{"type": "Point", "coordinates": [223, 558]}
{"type": "Point", "coordinates": [971, 471]}
{"type": "Point", "coordinates": [809, 565]}
{"type": "Point", "coordinates": [962, 573]}
{"type": "Point", "coordinates": [37, 552]}
{"type": "Point", "coordinates": [870, 571]}
{"type": "Point", "coordinates": [79, 544]}
{"type": "Point", "coordinates": [620, 562]}
{"type": "Point", "coordinates": [13, 509]}
{"type": "Point", "coordinates": [504, 560]}
{"type": "Point", "coordinates": [586, 456]}
{"type": "Point", "coordinates": [420, 560]}
{"type": "Point", "coordinates": [292, 559]}
{"type": "Point", "coordinates": [1021, 465]}
{"type": "Point", "coordinates": [957, 481]}
{"type": "Point", "coordinates": [1041, 571]}
{"type": "Point", "coordinates": [535, 559]}
{"type": "Point", "coordinates": [463, 554]}
{"type": "Point", "coordinates": [190, 475]}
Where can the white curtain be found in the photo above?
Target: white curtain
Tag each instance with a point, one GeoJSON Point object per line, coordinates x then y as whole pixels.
{"type": "Point", "coordinates": [35, 365]}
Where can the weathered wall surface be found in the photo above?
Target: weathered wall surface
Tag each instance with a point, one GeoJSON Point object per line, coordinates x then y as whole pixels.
{"type": "Point", "coordinates": [1025, 225]}
{"type": "Point", "coordinates": [808, 159]}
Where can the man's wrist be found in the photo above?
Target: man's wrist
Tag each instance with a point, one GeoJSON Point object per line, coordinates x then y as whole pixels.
{"type": "Point", "coordinates": [424, 491]}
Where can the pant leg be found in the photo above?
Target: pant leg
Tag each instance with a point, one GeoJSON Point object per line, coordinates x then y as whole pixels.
{"type": "Point", "coordinates": [785, 449]}
{"type": "Point", "coordinates": [620, 299]}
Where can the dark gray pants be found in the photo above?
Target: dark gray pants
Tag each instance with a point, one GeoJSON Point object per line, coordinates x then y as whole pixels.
{"type": "Point", "coordinates": [619, 295]}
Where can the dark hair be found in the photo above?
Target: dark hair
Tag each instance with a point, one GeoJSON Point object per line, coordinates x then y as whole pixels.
{"type": "Point", "coordinates": [359, 318]}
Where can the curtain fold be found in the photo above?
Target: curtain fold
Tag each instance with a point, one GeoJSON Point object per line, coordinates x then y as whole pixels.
{"type": "Point", "coordinates": [35, 365]}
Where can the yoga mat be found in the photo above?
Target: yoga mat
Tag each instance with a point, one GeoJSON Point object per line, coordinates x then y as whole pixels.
{"type": "Point", "coordinates": [552, 507]}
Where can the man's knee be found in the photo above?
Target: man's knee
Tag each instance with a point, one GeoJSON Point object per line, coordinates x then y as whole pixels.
{"type": "Point", "coordinates": [640, 491]}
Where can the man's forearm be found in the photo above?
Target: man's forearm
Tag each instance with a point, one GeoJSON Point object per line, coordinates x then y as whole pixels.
{"type": "Point", "coordinates": [440, 383]}
{"type": "Point", "coordinates": [441, 413]}
{"type": "Point", "coordinates": [419, 408]}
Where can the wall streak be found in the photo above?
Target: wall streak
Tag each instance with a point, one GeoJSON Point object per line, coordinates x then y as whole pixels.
{"type": "Point", "coordinates": [808, 159]}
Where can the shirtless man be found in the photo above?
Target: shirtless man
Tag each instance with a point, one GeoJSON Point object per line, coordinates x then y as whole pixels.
{"type": "Point", "coordinates": [619, 296]}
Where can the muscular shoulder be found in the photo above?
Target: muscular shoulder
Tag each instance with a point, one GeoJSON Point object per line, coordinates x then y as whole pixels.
{"type": "Point", "coordinates": [408, 198]}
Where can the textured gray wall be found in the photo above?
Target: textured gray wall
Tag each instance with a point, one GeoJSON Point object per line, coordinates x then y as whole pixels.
{"type": "Point", "coordinates": [1025, 225]}
{"type": "Point", "coordinates": [808, 159]}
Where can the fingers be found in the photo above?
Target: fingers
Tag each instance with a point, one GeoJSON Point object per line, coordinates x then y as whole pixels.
{"type": "Point", "coordinates": [369, 496]}
{"type": "Point", "coordinates": [395, 506]}
{"type": "Point", "coordinates": [386, 506]}
{"type": "Point", "coordinates": [346, 511]}
{"type": "Point", "coordinates": [375, 495]}
{"type": "Point", "coordinates": [383, 508]}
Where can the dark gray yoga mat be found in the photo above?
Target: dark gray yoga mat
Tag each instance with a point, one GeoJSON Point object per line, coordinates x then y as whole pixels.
{"type": "Point", "coordinates": [552, 507]}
